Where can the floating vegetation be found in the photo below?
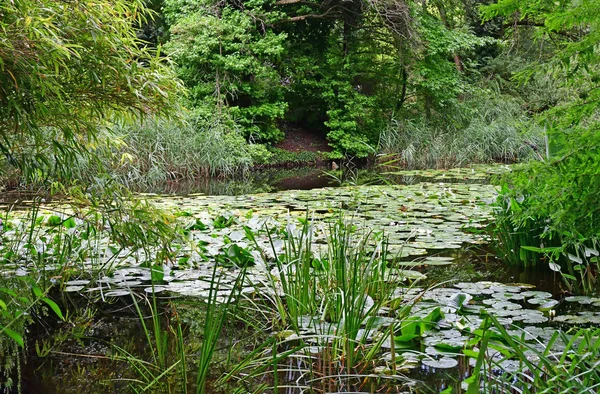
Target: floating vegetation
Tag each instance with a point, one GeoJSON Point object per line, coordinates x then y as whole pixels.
{"type": "Point", "coordinates": [236, 231]}
{"type": "Point", "coordinates": [329, 282]}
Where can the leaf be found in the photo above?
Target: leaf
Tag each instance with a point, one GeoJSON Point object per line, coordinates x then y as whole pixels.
{"type": "Point", "coordinates": [54, 220]}
{"type": "Point", "coordinates": [542, 250]}
{"type": "Point", "coordinates": [442, 363]}
{"type": "Point", "coordinates": [554, 267]}
{"type": "Point", "coordinates": [198, 226]}
{"type": "Point", "coordinates": [459, 299]}
{"type": "Point", "coordinates": [405, 338]}
{"type": "Point", "coordinates": [157, 273]}
{"type": "Point", "coordinates": [69, 223]}
{"type": "Point", "coordinates": [574, 258]}
{"type": "Point", "coordinates": [222, 222]}
{"type": "Point", "coordinates": [54, 307]}
{"type": "Point", "coordinates": [448, 347]}
{"type": "Point", "coordinates": [37, 291]}
{"type": "Point", "coordinates": [12, 334]}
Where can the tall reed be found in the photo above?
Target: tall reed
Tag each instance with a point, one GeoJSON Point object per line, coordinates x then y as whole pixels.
{"type": "Point", "coordinates": [568, 362]}
{"type": "Point", "coordinates": [329, 309]}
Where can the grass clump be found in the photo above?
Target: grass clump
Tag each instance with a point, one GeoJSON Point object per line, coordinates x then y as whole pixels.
{"type": "Point", "coordinates": [140, 154]}
{"type": "Point", "coordinates": [332, 311]}
{"type": "Point", "coordinates": [510, 361]}
{"type": "Point", "coordinates": [482, 131]}
{"type": "Point", "coordinates": [158, 151]}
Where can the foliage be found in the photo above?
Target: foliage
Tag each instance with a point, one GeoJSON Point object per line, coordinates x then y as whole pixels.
{"type": "Point", "coordinates": [284, 157]}
{"type": "Point", "coordinates": [344, 68]}
{"type": "Point", "coordinates": [486, 128]}
{"type": "Point", "coordinates": [566, 363]}
{"type": "Point", "coordinates": [158, 150]}
{"type": "Point", "coordinates": [64, 69]}
{"type": "Point", "coordinates": [557, 198]}
{"type": "Point", "coordinates": [328, 306]}
{"type": "Point", "coordinates": [227, 60]}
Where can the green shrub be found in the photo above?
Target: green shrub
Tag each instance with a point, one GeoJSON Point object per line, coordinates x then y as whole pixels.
{"type": "Point", "coordinates": [558, 200]}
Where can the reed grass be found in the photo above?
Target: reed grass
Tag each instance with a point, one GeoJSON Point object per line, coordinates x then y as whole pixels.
{"type": "Point", "coordinates": [482, 131]}
{"type": "Point", "coordinates": [326, 308]}
{"type": "Point", "coordinates": [567, 363]}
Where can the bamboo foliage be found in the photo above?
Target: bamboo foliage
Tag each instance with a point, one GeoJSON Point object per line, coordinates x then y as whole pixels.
{"type": "Point", "coordinates": [66, 67]}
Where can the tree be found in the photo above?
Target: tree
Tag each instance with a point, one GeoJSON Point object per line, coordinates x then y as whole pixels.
{"type": "Point", "coordinates": [229, 60]}
{"type": "Point", "coordinates": [66, 69]}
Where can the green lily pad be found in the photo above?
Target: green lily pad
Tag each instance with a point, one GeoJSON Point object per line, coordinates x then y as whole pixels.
{"type": "Point", "coordinates": [442, 363]}
{"type": "Point", "coordinates": [584, 300]}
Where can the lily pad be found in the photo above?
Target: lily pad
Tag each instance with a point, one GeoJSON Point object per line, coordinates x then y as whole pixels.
{"type": "Point", "coordinates": [442, 363]}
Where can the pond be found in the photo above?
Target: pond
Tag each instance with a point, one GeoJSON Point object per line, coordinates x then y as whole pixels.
{"type": "Point", "coordinates": [287, 262]}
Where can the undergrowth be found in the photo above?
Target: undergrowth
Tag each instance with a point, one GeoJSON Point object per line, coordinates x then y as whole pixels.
{"type": "Point", "coordinates": [481, 131]}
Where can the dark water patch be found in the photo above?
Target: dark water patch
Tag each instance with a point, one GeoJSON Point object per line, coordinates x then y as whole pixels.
{"type": "Point", "coordinates": [259, 181]}
{"type": "Point", "coordinates": [479, 262]}
{"type": "Point", "coordinates": [314, 177]}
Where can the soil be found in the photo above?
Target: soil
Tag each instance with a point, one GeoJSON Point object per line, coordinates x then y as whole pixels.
{"type": "Point", "coordinates": [298, 139]}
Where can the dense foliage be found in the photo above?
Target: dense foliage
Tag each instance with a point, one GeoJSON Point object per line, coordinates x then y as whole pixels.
{"type": "Point", "coordinates": [66, 68]}
{"type": "Point", "coordinates": [557, 199]}
{"type": "Point", "coordinates": [345, 68]}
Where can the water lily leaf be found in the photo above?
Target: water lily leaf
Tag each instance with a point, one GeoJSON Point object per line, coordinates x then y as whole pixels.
{"type": "Point", "coordinates": [442, 363]}
{"type": "Point", "coordinates": [452, 347]}
{"type": "Point", "coordinates": [78, 282]}
{"type": "Point", "coordinates": [236, 235]}
{"type": "Point", "coordinates": [438, 260]}
{"type": "Point", "coordinates": [584, 300]}
{"type": "Point", "coordinates": [117, 293]}
{"type": "Point", "coordinates": [548, 305]}
{"type": "Point", "coordinates": [459, 299]}
{"type": "Point", "coordinates": [155, 289]}
{"type": "Point", "coordinates": [70, 289]}
{"type": "Point", "coordinates": [536, 294]}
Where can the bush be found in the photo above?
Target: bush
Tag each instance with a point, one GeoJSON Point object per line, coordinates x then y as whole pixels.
{"type": "Point", "coordinates": [558, 200]}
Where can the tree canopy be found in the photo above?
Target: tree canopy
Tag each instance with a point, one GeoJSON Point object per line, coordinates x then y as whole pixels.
{"type": "Point", "coordinates": [343, 67]}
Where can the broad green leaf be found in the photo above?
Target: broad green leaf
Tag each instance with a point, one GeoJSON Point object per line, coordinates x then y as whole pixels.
{"type": "Point", "coordinates": [54, 307]}
{"type": "Point", "coordinates": [12, 334]}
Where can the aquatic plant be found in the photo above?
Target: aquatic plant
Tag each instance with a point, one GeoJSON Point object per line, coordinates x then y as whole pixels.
{"type": "Point", "coordinates": [510, 360]}
{"type": "Point", "coordinates": [156, 375]}
{"type": "Point", "coordinates": [333, 310]}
